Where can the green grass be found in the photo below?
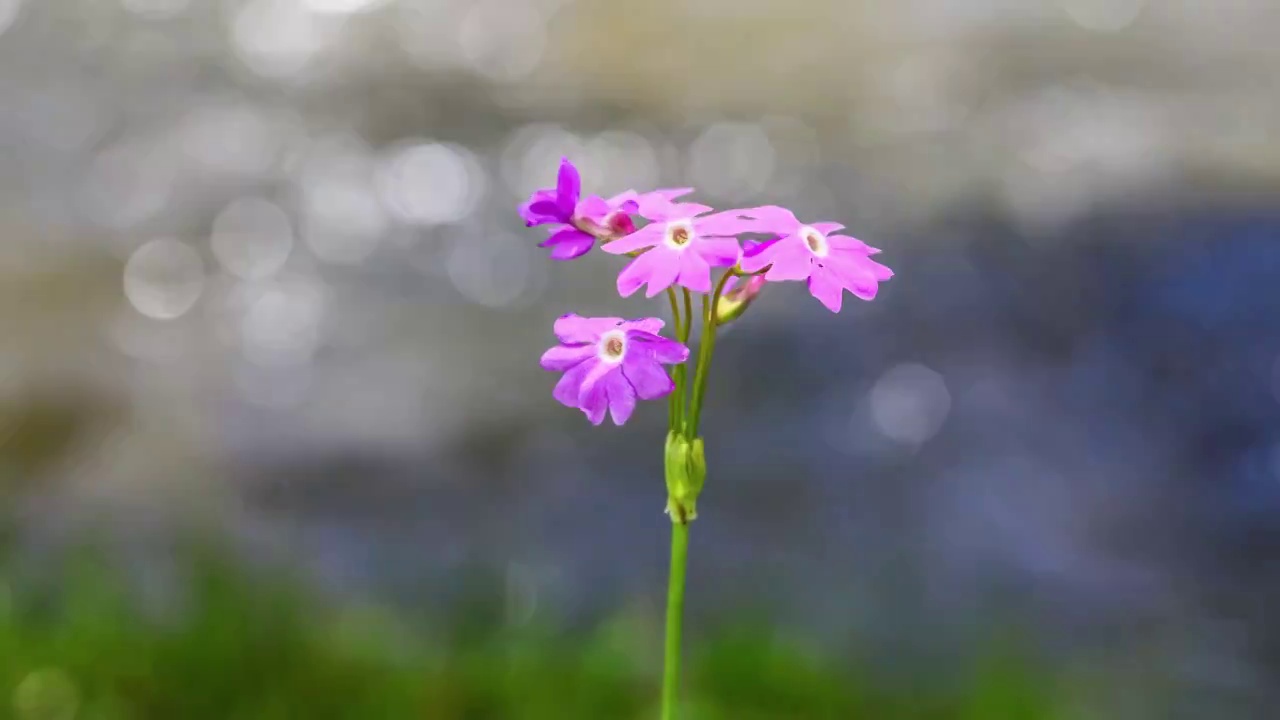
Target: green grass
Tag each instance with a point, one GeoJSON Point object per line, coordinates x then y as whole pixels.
{"type": "Point", "coordinates": [241, 645]}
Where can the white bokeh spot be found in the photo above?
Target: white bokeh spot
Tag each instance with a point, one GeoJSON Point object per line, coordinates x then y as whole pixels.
{"type": "Point", "coordinates": [251, 238]}
{"type": "Point", "coordinates": [431, 183]}
{"type": "Point", "coordinates": [732, 160]}
{"type": "Point", "coordinates": [163, 279]}
{"type": "Point", "coordinates": [909, 403]}
{"type": "Point", "coordinates": [501, 40]}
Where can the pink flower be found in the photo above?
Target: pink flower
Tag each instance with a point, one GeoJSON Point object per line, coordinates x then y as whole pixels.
{"type": "Point", "coordinates": [683, 243]}
{"type": "Point", "coordinates": [611, 219]}
{"type": "Point", "coordinates": [652, 201]}
{"type": "Point", "coordinates": [577, 222]}
{"type": "Point", "coordinates": [609, 362]}
{"type": "Point", "coordinates": [830, 263]}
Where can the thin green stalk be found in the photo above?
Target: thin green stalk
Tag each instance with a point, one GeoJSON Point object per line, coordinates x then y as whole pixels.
{"type": "Point", "coordinates": [675, 618]}
{"type": "Point", "coordinates": [688, 314]}
{"type": "Point", "coordinates": [705, 350]}
{"type": "Point", "coordinates": [675, 402]}
{"type": "Point", "coordinates": [680, 418]}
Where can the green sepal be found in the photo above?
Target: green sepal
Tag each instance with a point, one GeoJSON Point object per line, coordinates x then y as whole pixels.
{"type": "Point", "coordinates": [686, 471]}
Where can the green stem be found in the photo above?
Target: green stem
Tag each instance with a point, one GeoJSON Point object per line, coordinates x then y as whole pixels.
{"type": "Point", "coordinates": [675, 403]}
{"type": "Point", "coordinates": [680, 418]}
{"type": "Point", "coordinates": [675, 617]}
{"type": "Point", "coordinates": [705, 350]}
{"type": "Point", "coordinates": [679, 523]}
{"type": "Point", "coordinates": [688, 314]}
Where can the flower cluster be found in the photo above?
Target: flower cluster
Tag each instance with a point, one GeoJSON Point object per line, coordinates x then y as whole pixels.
{"type": "Point", "coordinates": [609, 362]}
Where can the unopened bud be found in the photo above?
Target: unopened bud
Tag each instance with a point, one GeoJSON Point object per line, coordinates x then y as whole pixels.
{"type": "Point", "coordinates": [737, 295]}
{"type": "Point", "coordinates": [686, 470]}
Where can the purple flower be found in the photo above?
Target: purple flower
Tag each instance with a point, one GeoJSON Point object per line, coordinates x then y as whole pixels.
{"type": "Point", "coordinates": [683, 243]}
{"type": "Point", "coordinates": [830, 263]}
{"type": "Point", "coordinates": [576, 222]}
{"type": "Point", "coordinates": [609, 362]}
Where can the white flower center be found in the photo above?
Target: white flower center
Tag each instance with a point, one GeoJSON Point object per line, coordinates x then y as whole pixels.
{"type": "Point", "coordinates": [815, 241]}
{"type": "Point", "coordinates": [678, 234]}
{"type": "Point", "coordinates": [613, 346]}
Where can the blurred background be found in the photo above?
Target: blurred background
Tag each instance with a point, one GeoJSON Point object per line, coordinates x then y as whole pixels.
{"type": "Point", "coordinates": [274, 442]}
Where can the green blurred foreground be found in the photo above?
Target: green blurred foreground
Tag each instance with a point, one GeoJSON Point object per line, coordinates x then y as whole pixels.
{"type": "Point", "coordinates": [238, 646]}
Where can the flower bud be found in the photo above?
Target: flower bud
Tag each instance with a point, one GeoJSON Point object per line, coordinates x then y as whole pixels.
{"type": "Point", "coordinates": [686, 470]}
{"type": "Point", "coordinates": [737, 295]}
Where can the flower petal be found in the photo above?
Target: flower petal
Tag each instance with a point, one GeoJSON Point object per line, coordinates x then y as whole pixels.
{"type": "Point", "coordinates": [647, 376]}
{"type": "Point", "coordinates": [694, 272]}
{"type": "Point", "coordinates": [844, 242]}
{"type": "Point", "coordinates": [670, 194]}
{"type": "Point", "coordinates": [593, 397]}
{"type": "Point", "coordinates": [563, 357]}
{"type": "Point", "coordinates": [645, 237]}
{"type": "Point", "coordinates": [718, 251]}
{"type": "Point", "coordinates": [649, 325]}
{"type": "Point", "coordinates": [667, 352]}
{"type": "Point", "coordinates": [569, 388]}
{"type": "Point", "coordinates": [826, 228]}
{"type": "Point", "coordinates": [757, 255]}
{"type": "Point", "coordinates": [568, 186]}
{"type": "Point", "coordinates": [855, 273]}
{"type": "Point", "coordinates": [570, 236]}
{"type": "Point", "coordinates": [656, 201]}
{"type": "Point", "coordinates": [626, 196]}
{"type": "Point", "coordinates": [659, 209]}
{"type": "Point", "coordinates": [540, 209]}
{"type": "Point", "coordinates": [727, 223]}
{"type": "Point", "coordinates": [791, 260]}
{"type": "Point", "coordinates": [826, 287]}
{"type": "Point", "coordinates": [573, 329]}
{"type": "Point", "coordinates": [667, 266]}
{"type": "Point", "coordinates": [622, 397]}
{"type": "Point", "coordinates": [657, 268]}
{"type": "Point", "coordinates": [768, 219]}
{"type": "Point", "coordinates": [593, 208]}
{"type": "Point", "coordinates": [635, 274]}
{"type": "Point", "coordinates": [558, 235]}
{"type": "Point", "coordinates": [882, 272]}
{"type": "Point", "coordinates": [568, 244]}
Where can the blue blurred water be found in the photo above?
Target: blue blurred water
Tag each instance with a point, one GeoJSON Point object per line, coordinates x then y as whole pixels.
{"type": "Point", "coordinates": [1107, 451]}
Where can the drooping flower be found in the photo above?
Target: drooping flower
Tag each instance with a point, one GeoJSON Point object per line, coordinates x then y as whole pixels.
{"type": "Point", "coordinates": [608, 362]}
{"type": "Point", "coordinates": [577, 222]}
{"type": "Point", "coordinates": [829, 262]}
{"type": "Point", "coordinates": [682, 243]}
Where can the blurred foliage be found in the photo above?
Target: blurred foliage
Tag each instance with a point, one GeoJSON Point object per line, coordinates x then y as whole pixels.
{"type": "Point", "coordinates": [241, 643]}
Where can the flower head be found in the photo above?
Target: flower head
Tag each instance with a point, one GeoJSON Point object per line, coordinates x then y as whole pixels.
{"type": "Point", "coordinates": [831, 263]}
{"type": "Point", "coordinates": [577, 222]}
{"type": "Point", "coordinates": [681, 243]}
{"type": "Point", "coordinates": [609, 362]}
